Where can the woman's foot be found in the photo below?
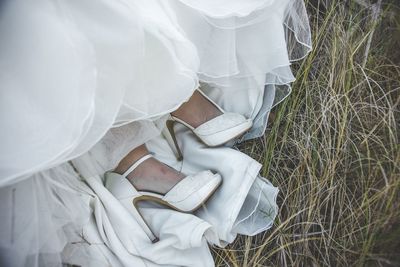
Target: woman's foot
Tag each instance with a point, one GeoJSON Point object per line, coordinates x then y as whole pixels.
{"type": "Point", "coordinates": [208, 121]}
{"type": "Point", "coordinates": [197, 110]}
{"type": "Point", "coordinates": [151, 175]}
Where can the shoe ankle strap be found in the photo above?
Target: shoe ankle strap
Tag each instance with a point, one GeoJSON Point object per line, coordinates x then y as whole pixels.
{"type": "Point", "coordinates": [209, 99]}
{"type": "Point", "coordinates": [137, 163]}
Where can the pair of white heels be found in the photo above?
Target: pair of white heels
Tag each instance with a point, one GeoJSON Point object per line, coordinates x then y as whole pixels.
{"type": "Point", "coordinates": [191, 192]}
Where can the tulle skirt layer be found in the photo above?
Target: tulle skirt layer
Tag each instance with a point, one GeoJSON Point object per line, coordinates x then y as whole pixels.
{"type": "Point", "coordinates": [71, 70]}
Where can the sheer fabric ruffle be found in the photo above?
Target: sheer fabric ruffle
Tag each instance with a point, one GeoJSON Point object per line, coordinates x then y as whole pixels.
{"type": "Point", "coordinates": [71, 70]}
{"type": "Point", "coordinates": [88, 81]}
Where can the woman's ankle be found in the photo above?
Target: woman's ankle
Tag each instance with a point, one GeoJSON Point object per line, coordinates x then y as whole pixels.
{"type": "Point", "coordinates": [197, 110]}
{"type": "Point", "coordinates": [150, 175]}
{"type": "Point", "coordinates": [131, 158]}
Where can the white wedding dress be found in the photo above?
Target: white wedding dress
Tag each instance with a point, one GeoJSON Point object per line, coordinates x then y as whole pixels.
{"type": "Point", "coordinates": [84, 82]}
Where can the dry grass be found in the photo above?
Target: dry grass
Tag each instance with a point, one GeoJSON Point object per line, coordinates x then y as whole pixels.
{"type": "Point", "coordinates": [333, 149]}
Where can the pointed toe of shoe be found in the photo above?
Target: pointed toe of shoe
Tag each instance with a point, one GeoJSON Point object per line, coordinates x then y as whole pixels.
{"type": "Point", "coordinates": [223, 128]}
{"type": "Point", "coordinates": [192, 191]}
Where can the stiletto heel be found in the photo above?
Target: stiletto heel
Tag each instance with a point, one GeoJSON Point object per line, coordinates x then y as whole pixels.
{"type": "Point", "coordinates": [132, 207]}
{"type": "Point", "coordinates": [187, 195]}
{"type": "Point", "coordinates": [119, 187]}
{"type": "Point", "coordinates": [170, 126]}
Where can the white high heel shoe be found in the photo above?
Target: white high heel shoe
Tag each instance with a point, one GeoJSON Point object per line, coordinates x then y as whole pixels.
{"type": "Point", "coordinates": [187, 195]}
{"type": "Point", "coordinates": [214, 132]}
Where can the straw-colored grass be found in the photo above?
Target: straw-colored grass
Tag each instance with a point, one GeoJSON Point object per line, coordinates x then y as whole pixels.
{"type": "Point", "coordinates": [333, 149]}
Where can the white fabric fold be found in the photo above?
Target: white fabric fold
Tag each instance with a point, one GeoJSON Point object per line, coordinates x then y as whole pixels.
{"type": "Point", "coordinates": [184, 237]}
